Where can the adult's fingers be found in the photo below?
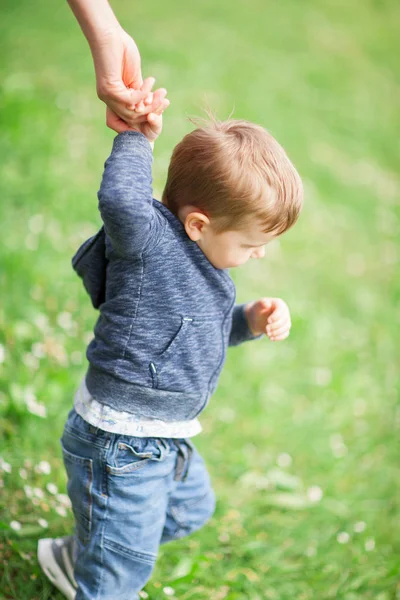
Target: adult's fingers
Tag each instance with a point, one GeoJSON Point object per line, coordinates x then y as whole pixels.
{"type": "Point", "coordinates": [121, 96]}
{"type": "Point", "coordinates": [147, 85]}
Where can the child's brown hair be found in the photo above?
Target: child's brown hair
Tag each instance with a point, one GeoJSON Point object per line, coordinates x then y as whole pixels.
{"type": "Point", "coordinates": [234, 171]}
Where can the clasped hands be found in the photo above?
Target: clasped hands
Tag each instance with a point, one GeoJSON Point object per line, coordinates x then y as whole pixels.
{"type": "Point", "coordinates": [146, 111]}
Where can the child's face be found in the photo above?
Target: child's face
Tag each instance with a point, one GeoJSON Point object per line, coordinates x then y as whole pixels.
{"type": "Point", "coordinates": [231, 248]}
{"type": "Point", "coordinates": [234, 248]}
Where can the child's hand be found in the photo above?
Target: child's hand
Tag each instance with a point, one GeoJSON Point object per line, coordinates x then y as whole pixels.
{"type": "Point", "coordinates": [270, 316]}
{"type": "Point", "coordinates": [147, 114]}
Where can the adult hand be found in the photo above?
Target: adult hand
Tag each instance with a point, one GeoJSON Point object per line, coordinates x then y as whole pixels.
{"type": "Point", "coordinates": [118, 73]}
{"type": "Point", "coordinates": [116, 60]}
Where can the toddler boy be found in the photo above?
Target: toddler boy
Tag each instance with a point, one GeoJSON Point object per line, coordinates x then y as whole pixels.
{"type": "Point", "coordinates": [135, 479]}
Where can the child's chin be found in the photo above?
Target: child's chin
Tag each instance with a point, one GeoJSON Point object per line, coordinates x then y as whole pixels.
{"type": "Point", "coordinates": [235, 264]}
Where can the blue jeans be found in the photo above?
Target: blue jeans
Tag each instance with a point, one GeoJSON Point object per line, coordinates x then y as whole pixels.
{"type": "Point", "coordinates": [129, 495]}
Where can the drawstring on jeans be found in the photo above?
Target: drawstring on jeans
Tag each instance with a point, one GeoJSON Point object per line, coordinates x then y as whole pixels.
{"type": "Point", "coordinates": [182, 461]}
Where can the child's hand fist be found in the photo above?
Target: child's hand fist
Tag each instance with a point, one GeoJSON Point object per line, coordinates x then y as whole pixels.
{"type": "Point", "coordinates": [147, 114]}
{"type": "Point", "coordinates": [270, 316]}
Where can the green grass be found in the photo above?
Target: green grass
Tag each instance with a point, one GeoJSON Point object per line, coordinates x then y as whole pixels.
{"type": "Point", "coordinates": [320, 409]}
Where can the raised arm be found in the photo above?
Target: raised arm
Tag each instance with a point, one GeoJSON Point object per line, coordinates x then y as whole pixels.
{"type": "Point", "coordinates": [126, 197]}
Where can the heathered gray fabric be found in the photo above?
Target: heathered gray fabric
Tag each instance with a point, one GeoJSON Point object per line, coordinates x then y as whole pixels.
{"type": "Point", "coordinates": [161, 337]}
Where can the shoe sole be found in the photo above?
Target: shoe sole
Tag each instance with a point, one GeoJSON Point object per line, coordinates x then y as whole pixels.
{"type": "Point", "coordinates": [52, 570]}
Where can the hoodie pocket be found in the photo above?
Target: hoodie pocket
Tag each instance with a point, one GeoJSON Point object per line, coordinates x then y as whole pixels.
{"type": "Point", "coordinates": [157, 365]}
{"type": "Point", "coordinates": [191, 358]}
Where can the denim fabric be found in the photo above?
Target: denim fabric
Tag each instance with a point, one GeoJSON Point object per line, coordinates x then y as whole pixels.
{"type": "Point", "coordinates": [129, 495]}
{"type": "Point", "coordinates": [169, 315]}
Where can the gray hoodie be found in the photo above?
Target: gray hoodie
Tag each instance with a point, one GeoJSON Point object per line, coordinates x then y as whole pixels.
{"type": "Point", "coordinates": [167, 315]}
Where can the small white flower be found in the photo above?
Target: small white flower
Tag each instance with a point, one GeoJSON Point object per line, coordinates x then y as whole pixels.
{"type": "Point", "coordinates": [338, 447]}
{"type": "Point", "coordinates": [359, 527]}
{"type": "Point", "coordinates": [23, 473]}
{"type": "Point", "coordinates": [28, 491]}
{"type": "Point", "coordinates": [5, 466]}
{"type": "Point", "coordinates": [343, 537]}
{"type": "Point", "coordinates": [43, 467]}
{"type": "Point", "coordinates": [41, 321]}
{"type": "Point", "coordinates": [36, 408]}
{"type": "Point", "coordinates": [38, 493]}
{"type": "Point", "coordinates": [52, 488]}
{"type": "Point", "coordinates": [2, 354]}
{"type": "Point", "coordinates": [314, 493]}
{"type": "Point", "coordinates": [168, 591]}
{"type": "Point", "coordinates": [16, 525]}
{"type": "Point", "coordinates": [64, 320]}
{"type": "Point", "coordinates": [64, 500]}
{"type": "Point", "coordinates": [60, 510]}
{"type": "Point", "coordinates": [370, 545]}
{"type": "Point", "coordinates": [43, 523]}
{"type": "Point", "coordinates": [284, 460]}
{"type": "Point", "coordinates": [143, 594]}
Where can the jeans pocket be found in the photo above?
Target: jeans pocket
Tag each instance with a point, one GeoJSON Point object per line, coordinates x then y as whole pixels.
{"type": "Point", "coordinates": [80, 480]}
{"type": "Point", "coordinates": [135, 453]}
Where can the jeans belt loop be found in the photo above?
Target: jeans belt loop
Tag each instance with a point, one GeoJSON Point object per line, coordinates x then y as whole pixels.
{"type": "Point", "coordinates": [189, 457]}
{"type": "Point", "coordinates": [183, 460]}
{"type": "Point", "coordinates": [180, 462]}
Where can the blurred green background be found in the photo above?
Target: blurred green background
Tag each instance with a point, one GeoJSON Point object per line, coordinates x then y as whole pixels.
{"type": "Point", "coordinates": [301, 437]}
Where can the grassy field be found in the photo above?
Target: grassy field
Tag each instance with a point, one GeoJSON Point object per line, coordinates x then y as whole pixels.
{"type": "Point", "coordinates": [301, 437]}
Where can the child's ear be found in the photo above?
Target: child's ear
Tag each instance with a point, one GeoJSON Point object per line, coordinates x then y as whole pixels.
{"type": "Point", "coordinates": [195, 224]}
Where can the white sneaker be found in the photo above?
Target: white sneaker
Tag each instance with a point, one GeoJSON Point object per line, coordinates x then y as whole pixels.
{"type": "Point", "coordinates": [56, 558]}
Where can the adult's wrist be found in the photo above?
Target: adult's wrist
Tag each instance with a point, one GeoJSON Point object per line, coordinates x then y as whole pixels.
{"type": "Point", "coordinates": [96, 19]}
{"type": "Point", "coordinates": [99, 36]}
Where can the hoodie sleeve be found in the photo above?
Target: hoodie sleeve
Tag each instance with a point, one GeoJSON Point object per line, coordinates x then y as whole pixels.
{"type": "Point", "coordinates": [240, 331]}
{"type": "Point", "coordinates": [126, 196]}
